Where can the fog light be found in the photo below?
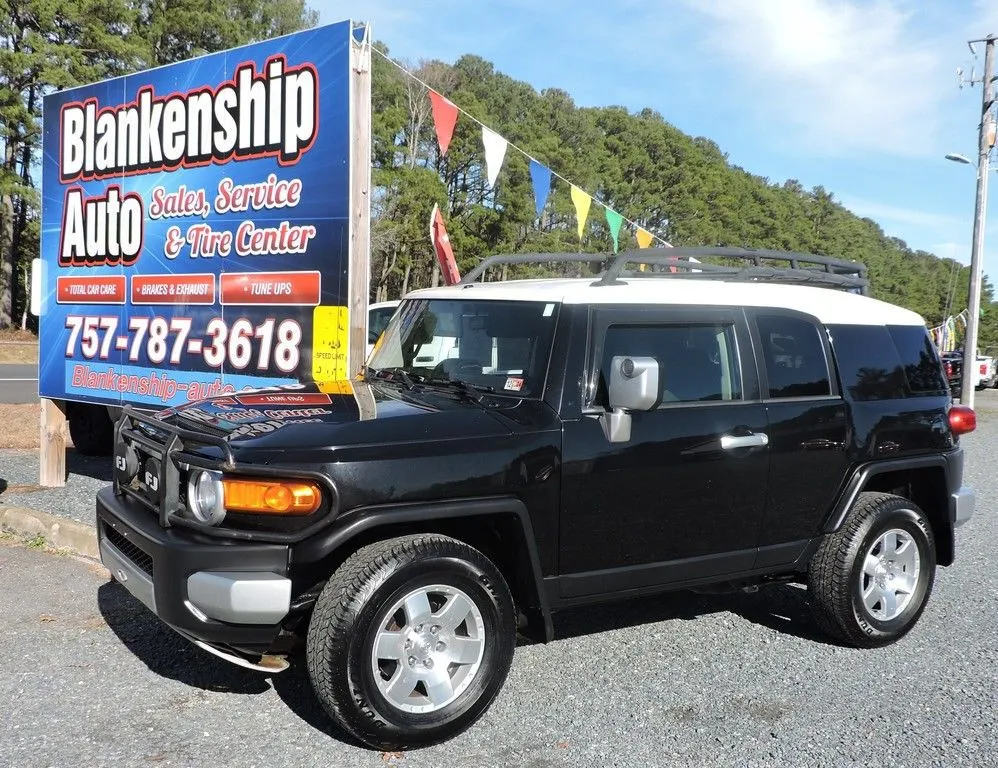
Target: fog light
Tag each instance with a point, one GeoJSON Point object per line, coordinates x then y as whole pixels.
{"type": "Point", "coordinates": [205, 498]}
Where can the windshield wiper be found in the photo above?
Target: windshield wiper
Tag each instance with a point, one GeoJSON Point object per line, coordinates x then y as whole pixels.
{"type": "Point", "coordinates": [393, 374]}
{"type": "Point", "coordinates": [472, 391]}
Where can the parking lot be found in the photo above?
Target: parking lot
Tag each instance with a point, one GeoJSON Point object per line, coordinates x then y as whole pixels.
{"type": "Point", "coordinates": [92, 679]}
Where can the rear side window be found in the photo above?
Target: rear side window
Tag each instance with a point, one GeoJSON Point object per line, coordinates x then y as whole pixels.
{"type": "Point", "coordinates": [880, 363]}
{"type": "Point", "coordinates": [794, 357]}
{"type": "Point", "coordinates": [868, 362]}
{"type": "Point", "coordinates": [921, 363]}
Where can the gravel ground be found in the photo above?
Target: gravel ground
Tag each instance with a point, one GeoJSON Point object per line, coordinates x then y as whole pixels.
{"type": "Point", "coordinates": [677, 680]}
{"type": "Point", "coordinates": [19, 484]}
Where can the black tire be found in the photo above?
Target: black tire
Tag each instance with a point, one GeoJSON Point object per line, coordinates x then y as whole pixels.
{"type": "Point", "coordinates": [836, 571]}
{"type": "Point", "coordinates": [352, 609]}
{"type": "Point", "coordinates": [91, 429]}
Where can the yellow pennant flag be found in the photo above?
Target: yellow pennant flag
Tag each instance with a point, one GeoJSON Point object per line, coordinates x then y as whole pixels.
{"type": "Point", "coordinates": [582, 202]}
{"type": "Point", "coordinates": [644, 237]}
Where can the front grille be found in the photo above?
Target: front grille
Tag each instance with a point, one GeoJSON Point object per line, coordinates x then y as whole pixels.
{"type": "Point", "coordinates": [128, 549]}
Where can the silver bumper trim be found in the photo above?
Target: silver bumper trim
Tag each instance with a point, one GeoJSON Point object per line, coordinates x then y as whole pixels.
{"type": "Point", "coordinates": [961, 507]}
{"type": "Point", "coordinates": [129, 575]}
{"type": "Point", "coordinates": [239, 597]}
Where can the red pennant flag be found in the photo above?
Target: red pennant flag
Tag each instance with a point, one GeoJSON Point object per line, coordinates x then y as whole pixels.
{"type": "Point", "coordinates": [441, 244]}
{"type": "Point", "coordinates": [444, 119]}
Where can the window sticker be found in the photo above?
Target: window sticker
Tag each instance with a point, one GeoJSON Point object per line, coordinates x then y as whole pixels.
{"type": "Point", "coordinates": [514, 384]}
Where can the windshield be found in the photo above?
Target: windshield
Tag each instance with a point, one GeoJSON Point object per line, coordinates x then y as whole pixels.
{"type": "Point", "coordinates": [501, 346]}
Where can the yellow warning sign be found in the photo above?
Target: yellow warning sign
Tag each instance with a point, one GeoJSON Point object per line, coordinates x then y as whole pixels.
{"type": "Point", "coordinates": [338, 387]}
{"type": "Point", "coordinates": [330, 336]}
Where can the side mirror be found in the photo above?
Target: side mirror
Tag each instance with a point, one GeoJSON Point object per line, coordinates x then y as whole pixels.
{"type": "Point", "coordinates": [633, 386]}
{"type": "Point", "coordinates": [633, 383]}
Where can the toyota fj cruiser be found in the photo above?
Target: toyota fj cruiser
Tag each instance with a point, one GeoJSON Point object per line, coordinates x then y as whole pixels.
{"type": "Point", "coordinates": [726, 426]}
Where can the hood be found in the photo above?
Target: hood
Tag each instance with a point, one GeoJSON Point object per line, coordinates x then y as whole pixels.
{"type": "Point", "coordinates": [339, 413]}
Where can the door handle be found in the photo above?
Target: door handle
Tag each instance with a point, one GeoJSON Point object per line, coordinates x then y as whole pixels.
{"type": "Point", "coordinates": [754, 440]}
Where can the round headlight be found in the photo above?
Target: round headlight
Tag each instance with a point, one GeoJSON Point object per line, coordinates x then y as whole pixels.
{"type": "Point", "coordinates": [205, 497]}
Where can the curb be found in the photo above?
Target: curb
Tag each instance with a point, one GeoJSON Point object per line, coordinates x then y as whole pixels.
{"type": "Point", "coordinates": [58, 532]}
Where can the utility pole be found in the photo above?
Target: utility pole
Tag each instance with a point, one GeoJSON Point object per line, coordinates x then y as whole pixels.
{"type": "Point", "coordinates": [985, 142]}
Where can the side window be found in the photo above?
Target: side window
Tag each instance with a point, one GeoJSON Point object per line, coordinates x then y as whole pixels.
{"type": "Point", "coordinates": [922, 366]}
{"type": "Point", "coordinates": [794, 357]}
{"type": "Point", "coordinates": [697, 363]}
{"type": "Point", "coordinates": [868, 362]}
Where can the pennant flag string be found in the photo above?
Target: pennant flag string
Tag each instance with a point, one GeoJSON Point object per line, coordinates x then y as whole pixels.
{"type": "Point", "coordinates": [449, 112]}
{"type": "Point", "coordinates": [582, 202]}
{"type": "Point", "coordinates": [444, 119]}
{"type": "Point", "coordinates": [540, 175]}
{"type": "Point", "coordinates": [495, 151]}
{"type": "Point", "coordinates": [614, 220]}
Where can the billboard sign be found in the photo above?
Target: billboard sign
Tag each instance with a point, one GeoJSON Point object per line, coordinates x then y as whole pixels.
{"type": "Point", "coordinates": [195, 225]}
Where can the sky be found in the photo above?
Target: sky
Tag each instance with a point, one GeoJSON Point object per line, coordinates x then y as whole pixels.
{"type": "Point", "coordinates": [861, 97]}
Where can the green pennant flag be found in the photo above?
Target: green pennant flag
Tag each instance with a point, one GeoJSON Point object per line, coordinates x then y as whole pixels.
{"type": "Point", "coordinates": [614, 219]}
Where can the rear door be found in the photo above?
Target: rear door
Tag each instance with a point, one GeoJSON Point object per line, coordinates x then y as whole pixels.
{"type": "Point", "coordinates": [808, 430]}
{"type": "Point", "coordinates": [683, 499]}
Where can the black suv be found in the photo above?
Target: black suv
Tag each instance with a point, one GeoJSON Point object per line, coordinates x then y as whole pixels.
{"type": "Point", "coordinates": [517, 448]}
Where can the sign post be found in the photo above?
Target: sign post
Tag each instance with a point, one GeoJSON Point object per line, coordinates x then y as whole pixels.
{"type": "Point", "coordinates": [360, 192]}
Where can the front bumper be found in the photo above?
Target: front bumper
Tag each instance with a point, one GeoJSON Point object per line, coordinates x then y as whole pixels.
{"type": "Point", "coordinates": [227, 595]}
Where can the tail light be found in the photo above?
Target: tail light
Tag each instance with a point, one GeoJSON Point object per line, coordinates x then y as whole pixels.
{"type": "Point", "coordinates": [984, 369]}
{"type": "Point", "coordinates": [962, 419]}
{"type": "Point", "coordinates": [949, 368]}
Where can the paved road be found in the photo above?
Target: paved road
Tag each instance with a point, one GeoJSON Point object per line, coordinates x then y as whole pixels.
{"type": "Point", "coordinates": [91, 678]}
{"type": "Point", "coordinates": [18, 383]}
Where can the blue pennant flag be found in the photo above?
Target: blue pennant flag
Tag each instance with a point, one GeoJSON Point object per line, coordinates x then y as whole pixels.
{"type": "Point", "coordinates": [541, 176]}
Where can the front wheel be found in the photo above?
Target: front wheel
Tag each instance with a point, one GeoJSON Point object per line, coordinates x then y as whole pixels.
{"type": "Point", "coordinates": [411, 640]}
{"type": "Point", "coordinates": [870, 580]}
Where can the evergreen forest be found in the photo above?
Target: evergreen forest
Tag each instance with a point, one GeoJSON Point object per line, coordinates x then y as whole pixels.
{"type": "Point", "coordinates": [680, 188]}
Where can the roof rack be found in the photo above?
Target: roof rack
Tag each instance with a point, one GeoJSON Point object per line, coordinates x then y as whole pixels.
{"type": "Point", "coordinates": [536, 258]}
{"type": "Point", "coordinates": [685, 263]}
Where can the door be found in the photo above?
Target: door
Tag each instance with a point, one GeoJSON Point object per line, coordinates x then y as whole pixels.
{"type": "Point", "coordinates": [808, 431]}
{"type": "Point", "coordinates": [683, 499]}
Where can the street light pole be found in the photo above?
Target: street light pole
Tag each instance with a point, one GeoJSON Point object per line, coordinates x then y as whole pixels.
{"type": "Point", "coordinates": [986, 140]}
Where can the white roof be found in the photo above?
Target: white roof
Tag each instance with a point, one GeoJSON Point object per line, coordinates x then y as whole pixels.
{"type": "Point", "coordinates": [828, 305]}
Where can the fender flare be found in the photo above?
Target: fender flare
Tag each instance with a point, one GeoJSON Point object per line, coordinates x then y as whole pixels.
{"type": "Point", "coordinates": [857, 481]}
{"type": "Point", "coordinates": [363, 519]}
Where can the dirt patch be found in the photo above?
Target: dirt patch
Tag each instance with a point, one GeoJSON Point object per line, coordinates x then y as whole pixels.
{"type": "Point", "coordinates": [17, 346]}
{"type": "Point", "coordinates": [20, 425]}
{"type": "Point", "coordinates": [16, 334]}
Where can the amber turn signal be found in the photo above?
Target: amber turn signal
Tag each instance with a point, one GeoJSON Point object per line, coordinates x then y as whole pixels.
{"type": "Point", "coordinates": [271, 497]}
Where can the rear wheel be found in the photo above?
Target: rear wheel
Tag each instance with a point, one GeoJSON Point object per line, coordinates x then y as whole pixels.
{"type": "Point", "coordinates": [411, 640]}
{"type": "Point", "coordinates": [870, 580]}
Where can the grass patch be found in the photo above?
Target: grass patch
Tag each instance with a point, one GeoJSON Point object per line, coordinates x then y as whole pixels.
{"type": "Point", "coordinates": [38, 542]}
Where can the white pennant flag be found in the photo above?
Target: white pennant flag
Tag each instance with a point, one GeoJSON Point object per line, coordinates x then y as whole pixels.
{"type": "Point", "coordinates": [495, 152]}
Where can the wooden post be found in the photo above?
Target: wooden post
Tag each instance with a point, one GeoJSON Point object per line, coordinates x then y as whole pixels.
{"type": "Point", "coordinates": [360, 194]}
{"type": "Point", "coordinates": [52, 448]}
